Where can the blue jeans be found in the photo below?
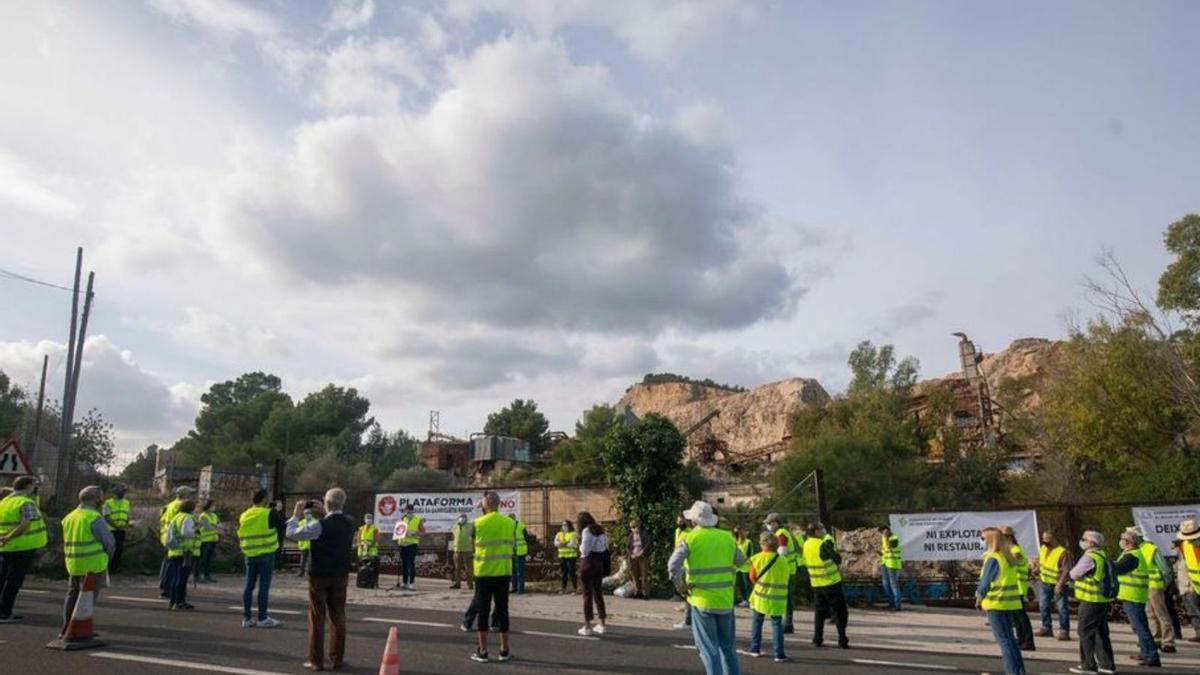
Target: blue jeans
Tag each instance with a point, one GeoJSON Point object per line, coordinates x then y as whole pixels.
{"type": "Point", "coordinates": [756, 627]}
{"type": "Point", "coordinates": [891, 586]}
{"type": "Point", "coordinates": [203, 568]}
{"type": "Point", "coordinates": [518, 580]}
{"type": "Point", "coordinates": [793, 589]}
{"type": "Point", "coordinates": [177, 580]}
{"type": "Point", "coordinates": [716, 641]}
{"type": "Point", "coordinates": [258, 569]}
{"type": "Point", "coordinates": [1010, 654]}
{"type": "Point", "coordinates": [1047, 601]}
{"type": "Point", "coordinates": [1136, 613]}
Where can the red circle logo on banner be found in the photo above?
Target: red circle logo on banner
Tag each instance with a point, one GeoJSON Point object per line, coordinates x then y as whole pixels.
{"type": "Point", "coordinates": [387, 506]}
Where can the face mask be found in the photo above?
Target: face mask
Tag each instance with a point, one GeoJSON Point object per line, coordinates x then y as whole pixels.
{"type": "Point", "coordinates": [308, 513]}
{"type": "Point", "coordinates": [1084, 544]}
{"type": "Point", "coordinates": [368, 521]}
{"type": "Point", "coordinates": [566, 527]}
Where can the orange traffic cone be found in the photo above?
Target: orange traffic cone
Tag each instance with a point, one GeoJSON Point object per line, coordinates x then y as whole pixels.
{"type": "Point", "coordinates": [79, 633]}
{"type": "Point", "coordinates": [390, 665]}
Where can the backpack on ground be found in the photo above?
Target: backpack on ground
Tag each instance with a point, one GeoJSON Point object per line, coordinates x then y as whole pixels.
{"type": "Point", "coordinates": [368, 575]}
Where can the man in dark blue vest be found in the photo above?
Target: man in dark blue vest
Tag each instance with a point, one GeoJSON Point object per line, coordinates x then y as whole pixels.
{"type": "Point", "coordinates": [332, 539]}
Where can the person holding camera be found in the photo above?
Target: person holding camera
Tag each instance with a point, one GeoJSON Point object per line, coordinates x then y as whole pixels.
{"type": "Point", "coordinates": [330, 535]}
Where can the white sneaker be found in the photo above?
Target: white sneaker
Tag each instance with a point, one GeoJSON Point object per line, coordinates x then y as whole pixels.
{"type": "Point", "coordinates": [599, 629]}
{"type": "Point", "coordinates": [249, 623]}
{"type": "Point", "coordinates": [586, 632]}
{"type": "Point", "coordinates": [269, 622]}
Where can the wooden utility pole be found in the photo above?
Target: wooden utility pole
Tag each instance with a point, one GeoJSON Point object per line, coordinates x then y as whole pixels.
{"type": "Point", "coordinates": [37, 418]}
{"type": "Point", "coordinates": [69, 415]}
{"type": "Point", "coordinates": [64, 425]}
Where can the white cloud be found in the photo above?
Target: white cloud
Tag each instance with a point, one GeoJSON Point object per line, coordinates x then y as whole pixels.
{"type": "Point", "coordinates": [349, 15]}
{"type": "Point", "coordinates": [211, 331]}
{"type": "Point", "coordinates": [368, 75]}
{"type": "Point", "coordinates": [28, 189]}
{"type": "Point", "coordinates": [656, 30]}
{"type": "Point", "coordinates": [141, 406]}
{"type": "Point", "coordinates": [223, 16]}
{"type": "Point", "coordinates": [529, 193]}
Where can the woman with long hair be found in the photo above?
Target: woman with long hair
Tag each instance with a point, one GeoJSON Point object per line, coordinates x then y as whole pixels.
{"type": "Point", "coordinates": [998, 595]}
{"type": "Point", "coordinates": [593, 552]}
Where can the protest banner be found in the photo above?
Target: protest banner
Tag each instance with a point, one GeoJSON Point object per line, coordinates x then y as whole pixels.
{"type": "Point", "coordinates": [1160, 523]}
{"type": "Point", "coordinates": [956, 535]}
{"type": "Point", "coordinates": [438, 510]}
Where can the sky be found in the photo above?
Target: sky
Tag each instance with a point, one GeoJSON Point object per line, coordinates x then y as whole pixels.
{"type": "Point", "coordinates": [451, 204]}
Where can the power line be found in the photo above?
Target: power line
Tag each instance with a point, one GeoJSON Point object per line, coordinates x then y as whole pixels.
{"type": "Point", "coordinates": [8, 274]}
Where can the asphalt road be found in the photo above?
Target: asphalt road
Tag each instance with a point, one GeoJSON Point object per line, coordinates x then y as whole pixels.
{"type": "Point", "coordinates": [145, 638]}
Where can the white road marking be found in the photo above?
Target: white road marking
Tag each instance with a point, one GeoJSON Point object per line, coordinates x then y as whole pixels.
{"type": "Point", "coordinates": [131, 598]}
{"type": "Point", "coordinates": [176, 663]}
{"type": "Point", "coordinates": [273, 611]}
{"type": "Point", "coordinates": [684, 646]}
{"type": "Point", "coordinates": [430, 624]}
{"type": "Point", "coordinates": [557, 635]}
{"type": "Point", "coordinates": [34, 590]}
{"type": "Point", "coordinates": [901, 664]}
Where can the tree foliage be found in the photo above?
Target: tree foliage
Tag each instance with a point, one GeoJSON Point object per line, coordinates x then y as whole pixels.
{"type": "Point", "coordinates": [644, 462]}
{"type": "Point", "coordinates": [578, 459]}
{"type": "Point", "coordinates": [12, 402]}
{"type": "Point", "coordinates": [665, 378]}
{"type": "Point", "coordinates": [140, 472]}
{"type": "Point", "coordinates": [1179, 285]}
{"type": "Point", "coordinates": [519, 419]}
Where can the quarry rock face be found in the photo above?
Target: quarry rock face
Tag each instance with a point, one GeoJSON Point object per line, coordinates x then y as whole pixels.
{"type": "Point", "coordinates": [1027, 360]}
{"type": "Point", "coordinates": [747, 420]}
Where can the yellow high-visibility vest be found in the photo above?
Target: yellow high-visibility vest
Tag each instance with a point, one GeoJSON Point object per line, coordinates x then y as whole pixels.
{"type": "Point", "coordinates": [305, 544]}
{"type": "Point", "coordinates": [495, 535]}
{"type": "Point", "coordinates": [890, 552]}
{"type": "Point", "coordinates": [34, 536]}
{"type": "Point", "coordinates": [1191, 555]}
{"type": "Point", "coordinates": [748, 551]}
{"type": "Point", "coordinates": [1135, 584]}
{"type": "Point", "coordinates": [1148, 549]}
{"type": "Point", "coordinates": [207, 524]}
{"type": "Point", "coordinates": [255, 535]}
{"type": "Point", "coordinates": [522, 545]}
{"type": "Point", "coordinates": [710, 568]}
{"type": "Point", "coordinates": [165, 518]}
{"type": "Point", "coordinates": [1088, 588]}
{"type": "Point", "coordinates": [795, 549]}
{"type": "Point", "coordinates": [820, 572]}
{"type": "Point", "coordinates": [1022, 569]}
{"type": "Point", "coordinates": [182, 544]}
{"type": "Point", "coordinates": [118, 513]}
{"type": "Point", "coordinates": [1048, 563]}
{"type": "Point", "coordinates": [83, 553]}
{"type": "Point", "coordinates": [367, 546]}
{"type": "Point", "coordinates": [413, 534]}
{"type": "Point", "coordinates": [770, 593]}
{"type": "Point", "coordinates": [563, 541]}
{"type": "Point", "coordinates": [1003, 594]}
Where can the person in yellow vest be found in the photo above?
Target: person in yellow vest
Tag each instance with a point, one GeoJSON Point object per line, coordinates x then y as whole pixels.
{"type": "Point", "coordinates": [1187, 577]}
{"type": "Point", "coordinates": [1133, 575]}
{"type": "Point", "coordinates": [183, 548]}
{"type": "Point", "coordinates": [407, 534]}
{"type": "Point", "coordinates": [495, 545]}
{"type": "Point", "coordinates": [1159, 612]}
{"type": "Point", "coordinates": [1054, 562]}
{"type": "Point", "coordinates": [116, 514]}
{"type": "Point", "coordinates": [208, 534]}
{"type": "Point", "coordinates": [789, 548]}
{"type": "Point", "coordinates": [461, 544]}
{"type": "Point", "coordinates": [998, 595]}
{"type": "Point", "coordinates": [259, 543]}
{"type": "Point", "coordinates": [566, 543]}
{"type": "Point", "coordinates": [769, 577]}
{"type": "Point", "coordinates": [890, 562]}
{"type": "Point", "coordinates": [164, 518]}
{"type": "Point", "coordinates": [307, 518]}
{"type": "Point", "coordinates": [1021, 622]}
{"type": "Point", "coordinates": [702, 569]}
{"type": "Point", "coordinates": [742, 585]}
{"type": "Point", "coordinates": [22, 533]}
{"type": "Point", "coordinates": [821, 558]}
{"type": "Point", "coordinates": [366, 539]}
{"type": "Point", "coordinates": [682, 527]}
{"type": "Point", "coordinates": [522, 552]}
{"type": "Point", "coordinates": [87, 545]}
{"type": "Point", "coordinates": [1092, 577]}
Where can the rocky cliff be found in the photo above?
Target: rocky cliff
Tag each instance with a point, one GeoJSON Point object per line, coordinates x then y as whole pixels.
{"type": "Point", "coordinates": [1026, 360]}
{"type": "Point", "coordinates": [747, 420]}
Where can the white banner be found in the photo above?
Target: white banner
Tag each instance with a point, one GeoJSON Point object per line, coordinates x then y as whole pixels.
{"type": "Point", "coordinates": [439, 510]}
{"type": "Point", "coordinates": [1160, 523]}
{"type": "Point", "coordinates": [956, 536]}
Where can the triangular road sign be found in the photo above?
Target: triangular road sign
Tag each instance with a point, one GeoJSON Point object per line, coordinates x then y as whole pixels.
{"type": "Point", "coordinates": [12, 460]}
